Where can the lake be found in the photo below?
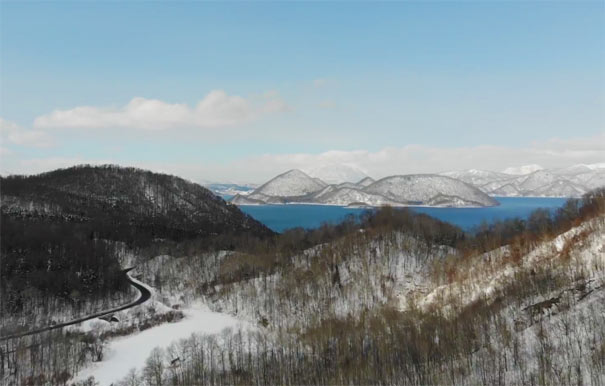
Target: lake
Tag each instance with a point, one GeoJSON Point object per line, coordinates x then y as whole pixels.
{"type": "Point", "coordinates": [282, 217]}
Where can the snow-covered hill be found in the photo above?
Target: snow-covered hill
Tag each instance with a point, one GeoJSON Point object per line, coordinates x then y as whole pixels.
{"type": "Point", "coordinates": [454, 188]}
{"type": "Point", "coordinates": [349, 196]}
{"type": "Point", "coordinates": [522, 170]}
{"type": "Point", "coordinates": [229, 189]}
{"type": "Point", "coordinates": [477, 177]}
{"type": "Point", "coordinates": [366, 181]}
{"type": "Point", "coordinates": [430, 189]}
{"type": "Point", "coordinates": [290, 184]}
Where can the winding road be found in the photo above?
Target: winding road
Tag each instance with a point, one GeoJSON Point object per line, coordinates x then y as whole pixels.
{"type": "Point", "coordinates": [145, 295]}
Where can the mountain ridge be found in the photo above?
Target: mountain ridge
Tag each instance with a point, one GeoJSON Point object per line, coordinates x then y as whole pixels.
{"type": "Point", "coordinates": [438, 191]}
{"type": "Point", "coordinates": [572, 181]}
{"type": "Point", "coordinates": [122, 195]}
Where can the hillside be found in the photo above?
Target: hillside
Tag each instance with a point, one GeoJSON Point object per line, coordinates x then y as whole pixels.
{"type": "Point", "coordinates": [344, 196]}
{"type": "Point", "coordinates": [477, 177]}
{"type": "Point", "coordinates": [394, 298]}
{"type": "Point", "coordinates": [165, 205]}
{"type": "Point", "coordinates": [403, 299]}
{"type": "Point", "coordinates": [366, 181]}
{"type": "Point", "coordinates": [65, 235]}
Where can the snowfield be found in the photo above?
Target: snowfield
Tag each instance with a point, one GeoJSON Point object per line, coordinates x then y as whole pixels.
{"type": "Point", "coordinates": [130, 352]}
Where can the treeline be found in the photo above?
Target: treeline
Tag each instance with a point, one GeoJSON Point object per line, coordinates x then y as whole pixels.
{"type": "Point", "coordinates": [262, 256]}
{"type": "Point", "coordinates": [540, 224]}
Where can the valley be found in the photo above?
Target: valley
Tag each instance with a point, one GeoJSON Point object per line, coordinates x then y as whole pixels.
{"type": "Point", "coordinates": [302, 193]}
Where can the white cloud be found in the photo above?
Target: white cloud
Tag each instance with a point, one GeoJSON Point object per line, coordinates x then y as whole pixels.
{"type": "Point", "coordinates": [217, 109]}
{"type": "Point", "coordinates": [422, 159]}
{"type": "Point", "coordinates": [12, 133]}
{"type": "Point", "coordinates": [387, 161]}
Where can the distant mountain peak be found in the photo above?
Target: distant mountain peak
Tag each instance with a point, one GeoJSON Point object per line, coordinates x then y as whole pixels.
{"type": "Point", "coordinates": [600, 165]}
{"type": "Point", "coordinates": [337, 173]}
{"type": "Point", "coordinates": [366, 181]}
{"type": "Point", "coordinates": [290, 184]}
{"type": "Point", "coordinates": [295, 172]}
{"type": "Point", "coordinates": [522, 170]}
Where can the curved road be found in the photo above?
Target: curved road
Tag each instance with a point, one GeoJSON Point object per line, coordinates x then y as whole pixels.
{"type": "Point", "coordinates": [145, 295]}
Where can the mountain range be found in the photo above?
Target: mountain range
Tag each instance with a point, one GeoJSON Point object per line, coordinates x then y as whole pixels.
{"type": "Point", "coordinates": [295, 186]}
{"type": "Point", "coordinates": [458, 189]}
{"type": "Point", "coordinates": [533, 181]}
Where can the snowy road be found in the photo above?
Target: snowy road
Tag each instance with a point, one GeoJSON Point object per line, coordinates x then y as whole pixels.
{"type": "Point", "coordinates": [130, 352]}
{"type": "Point", "coordinates": [145, 295]}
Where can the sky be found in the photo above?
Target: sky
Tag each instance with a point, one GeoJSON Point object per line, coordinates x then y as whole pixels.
{"type": "Point", "coordinates": [242, 91]}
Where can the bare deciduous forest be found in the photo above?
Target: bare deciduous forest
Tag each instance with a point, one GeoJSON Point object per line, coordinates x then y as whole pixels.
{"type": "Point", "coordinates": [394, 297]}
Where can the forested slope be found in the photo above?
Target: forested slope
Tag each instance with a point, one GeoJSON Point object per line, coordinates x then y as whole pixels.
{"type": "Point", "coordinates": [64, 233]}
{"type": "Point", "coordinates": [404, 299]}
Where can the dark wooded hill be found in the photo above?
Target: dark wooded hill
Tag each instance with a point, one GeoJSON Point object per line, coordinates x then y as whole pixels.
{"type": "Point", "coordinates": [60, 229]}
{"type": "Point", "coordinates": [166, 206]}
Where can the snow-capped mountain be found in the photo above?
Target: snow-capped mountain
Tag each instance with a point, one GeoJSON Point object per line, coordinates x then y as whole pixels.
{"type": "Point", "coordinates": [337, 173]}
{"type": "Point", "coordinates": [572, 181]}
{"type": "Point", "coordinates": [432, 190]}
{"type": "Point", "coordinates": [591, 180]}
{"type": "Point", "coordinates": [477, 177]}
{"type": "Point", "coordinates": [229, 189]}
{"type": "Point", "coordinates": [522, 170]}
{"type": "Point", "coordinates": [589, 176]}
{"type": "Point", "coordinates": [291, 184]}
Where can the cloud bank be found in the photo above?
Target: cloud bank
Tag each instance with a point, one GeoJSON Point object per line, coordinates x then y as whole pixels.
{"type": "Point", "coordinates": [217, 109]}
{"type": "Point", "coordinates": [12, 133]}
{"type": "Point", "coordinates": [427, 159]}
{"type": "Point", "coordinates": [388, 161]}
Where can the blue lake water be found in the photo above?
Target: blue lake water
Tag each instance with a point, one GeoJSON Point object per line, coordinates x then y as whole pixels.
{"type": "Point", "coordinates": [282, 217]}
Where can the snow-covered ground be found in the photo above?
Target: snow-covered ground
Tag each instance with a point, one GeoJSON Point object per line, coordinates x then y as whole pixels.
{"type": "Point", "coordinates": [123, 354]}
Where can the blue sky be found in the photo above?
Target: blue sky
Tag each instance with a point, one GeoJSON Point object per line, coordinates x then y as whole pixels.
{"type": "Point", "coordinates": [299, 81]}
